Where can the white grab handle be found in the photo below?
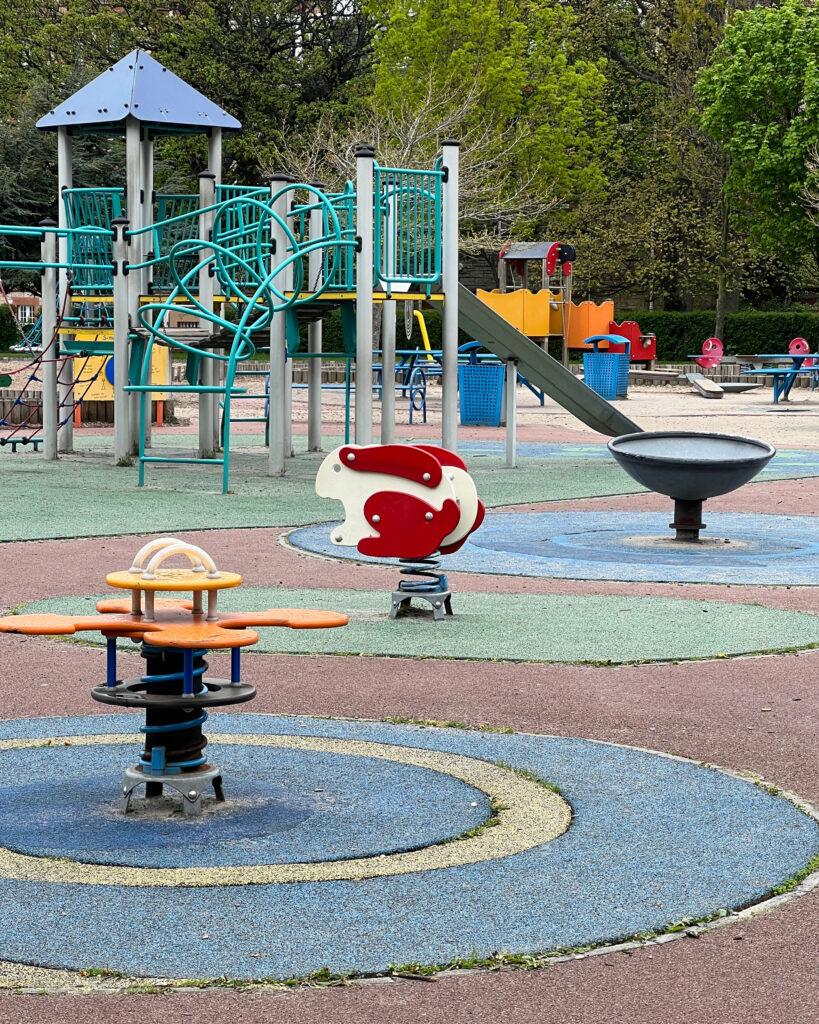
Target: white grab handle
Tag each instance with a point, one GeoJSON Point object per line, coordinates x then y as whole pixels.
{"type": "Point", "coordinates": [165, 547]}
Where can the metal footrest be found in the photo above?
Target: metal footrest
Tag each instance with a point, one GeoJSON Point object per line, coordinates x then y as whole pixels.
{"type": "Point", "coordinates": [439, 600]}
{"type": "Point", "coordinates": [134, 693]}
{"type": "Point", "coordinates": [189, 784]}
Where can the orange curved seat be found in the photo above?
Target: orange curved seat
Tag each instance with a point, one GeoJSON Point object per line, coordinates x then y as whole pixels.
{"type": "Point", "coordinates": [45, 624]}
{"type": "Point", "coordinates": [202, 634]}
{"type": "Point", "coordinates": [295, 618]}
{"type": "Point", "coordinates": [175, 625]}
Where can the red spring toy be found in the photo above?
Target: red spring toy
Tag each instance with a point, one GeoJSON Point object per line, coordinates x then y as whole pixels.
{"type": "Point", "coordinates": [711, 354]}
{"type": "Point", "coordinates": [409, 502]}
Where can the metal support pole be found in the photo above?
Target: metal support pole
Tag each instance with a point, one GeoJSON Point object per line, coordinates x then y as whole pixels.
{"type": "Point", "coordinates": [314, 334]}
{"type": "Point", "coordinates": [278, 338]}
{"type": "Point", "coordinates": [146, 195]}
{"type": "Point", "coordinates": [208, 417]}
{"type": "Point", "coordinates": [389, 236]}
{"type": "Point", "coordinates": [286, 285]}
{"type": "Point", "coordinates": [48, 254]}
{"type": "Point", "coordinates": [123, 407]}
{"type": "Point", "coordinates": [687, 520]}
{"type": "Point", "coordinates": [133, 186]}
{"type": "Point", "coordinates": [65, 370]}
{"type": "Point", "coordinates": [449, 330]}
{"type": "Point", "coordinates": [388, 313]}
{"type": "Point", "coordinates": [146, 243]}
{"type": "Point", "coordinates": [215, 154]}
{"type": "Point", "coordinates": [567, 313]}
{"type": "Point", "coordinates": [365, 160]}
{"type": "Point", "coordinates": [511, 412]}
{"type": "Point", "coordinates": [215, 168]}
{"type": "Point", "coordinates": [288, 406]}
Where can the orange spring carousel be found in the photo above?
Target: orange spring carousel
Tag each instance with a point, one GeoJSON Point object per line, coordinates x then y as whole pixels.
{"type": "Point", "coordinates": [175, 635]}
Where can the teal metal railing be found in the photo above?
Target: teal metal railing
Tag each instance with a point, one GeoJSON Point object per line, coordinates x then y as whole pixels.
{"type": "Point", "coordinates": [407, 226]}
{"type": "Point", "coordinates": [341, 277]}
{"type": "Point", "coordinates": [239, 251]}
{"type": "Point", "coordinates": [90, 238]}
{"type": "Point", "coordinates": [238, 228]}
{"type": "Point", "coordinates": [176, 221]}
{"type": "Point", "coordinates": [91, 254]}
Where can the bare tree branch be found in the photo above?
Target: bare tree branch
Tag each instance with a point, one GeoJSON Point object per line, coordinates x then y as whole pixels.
{"type": "Point", "coordinates": [498, 199]}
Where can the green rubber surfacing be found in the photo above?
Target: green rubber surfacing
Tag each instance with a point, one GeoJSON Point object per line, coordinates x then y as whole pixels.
{"type": "Point", "coordinates": [514, 627]}
{"type": "Point", "coordinates": [86, 496]}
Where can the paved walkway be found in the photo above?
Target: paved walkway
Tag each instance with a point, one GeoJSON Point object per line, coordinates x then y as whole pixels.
{"type": "Point", "coordinates": [750, 713]}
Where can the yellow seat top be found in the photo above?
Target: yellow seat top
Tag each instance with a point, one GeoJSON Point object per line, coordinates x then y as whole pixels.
{"type": "Point", "coordinates": [173, 580]}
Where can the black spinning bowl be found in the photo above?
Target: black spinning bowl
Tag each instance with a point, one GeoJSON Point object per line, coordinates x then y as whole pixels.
{"type": "Point", "coordinates": [688, 465]}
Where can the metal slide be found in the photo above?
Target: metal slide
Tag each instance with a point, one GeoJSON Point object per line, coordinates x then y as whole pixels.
{"type": "Point", "coordinates": [486, 326]}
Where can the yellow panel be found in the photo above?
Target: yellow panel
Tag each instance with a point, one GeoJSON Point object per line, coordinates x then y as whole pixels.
{"type": "Point", "coordinates": [556, 313]}
{"type": "Point", "coordinates": [89, 334]}
{"type": "Point", "coordinates": [587, 319]}
{"type": "Point", "coordinates": [101, 389]}
{"type": "Point", "coordinates": [536, 319]}
{"type": "Point", "coordinates": [509, 306]}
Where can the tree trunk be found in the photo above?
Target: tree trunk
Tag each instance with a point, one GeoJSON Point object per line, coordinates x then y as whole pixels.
{"type": "Point", "coordinates": [722, 276]}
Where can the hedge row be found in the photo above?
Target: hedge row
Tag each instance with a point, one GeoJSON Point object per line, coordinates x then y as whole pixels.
{"type": "Point", "coordinates": [678, 334]}
{"type": "Point", "coordinates": [682, 334]}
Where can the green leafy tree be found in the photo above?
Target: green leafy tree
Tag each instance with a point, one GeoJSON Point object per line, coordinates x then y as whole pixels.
{"type": "Point", "coordinates": [760, 98]}
{"type": "Point", "coordinates": [664, 226]}
{"type": "Point", "coordinates": [506, 72]}
{"type": "Point", "coordinates": [276, 65]}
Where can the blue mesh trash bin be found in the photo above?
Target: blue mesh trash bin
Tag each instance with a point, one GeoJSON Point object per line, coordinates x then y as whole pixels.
{"type": "Point", "coordinates": [481, 389]}
{"type": "Point", "coordinates": [623, 368]}
{"type": "Point", "coordinates": [601, 372]}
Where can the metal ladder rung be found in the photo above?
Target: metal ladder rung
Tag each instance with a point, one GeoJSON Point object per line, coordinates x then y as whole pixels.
{"type": "Point", "coordinates": [159, 458]}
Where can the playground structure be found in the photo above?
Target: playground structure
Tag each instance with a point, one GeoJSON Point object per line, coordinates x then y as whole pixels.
{"type": "Point", "coordinates": [175, 636]}
{"type": "Point", "coordinates": [249, 265]}
{"type": "Point", "coordinates": [550, 313]}
{"type": "Point", "coordinates": [241, 270]}
{"type": "Point", "coordinates": [410, 502]}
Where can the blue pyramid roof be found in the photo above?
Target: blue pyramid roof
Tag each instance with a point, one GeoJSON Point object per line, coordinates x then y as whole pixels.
{"type": "Point", "coordinates": [140, 86]}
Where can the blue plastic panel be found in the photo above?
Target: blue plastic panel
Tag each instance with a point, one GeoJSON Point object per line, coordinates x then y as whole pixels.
{"type": "Point", "coordinates": [140, 86]}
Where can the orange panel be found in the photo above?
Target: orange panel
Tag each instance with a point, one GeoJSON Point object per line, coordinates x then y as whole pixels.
{"type": "Point", "coordinates": [295, 618]}
{"type": "Point", "coordinates": [556, 314]}
{"type": "Point", "coordinates": [587, 319]}
{"type": "Point", "coordinates": [122, 605]}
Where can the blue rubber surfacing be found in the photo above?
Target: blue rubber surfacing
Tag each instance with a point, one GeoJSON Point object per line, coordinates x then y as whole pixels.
{"type": "Point", "coordinates": [307, 809]}
{"type": "Point", "coordinates": [629, 546]}
{"type": "Point", "coordinates": [653, 840]}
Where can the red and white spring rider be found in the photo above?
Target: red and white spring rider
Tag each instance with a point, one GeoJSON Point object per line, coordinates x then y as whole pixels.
{"type": "Point", "coordinates": [410, 502]}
